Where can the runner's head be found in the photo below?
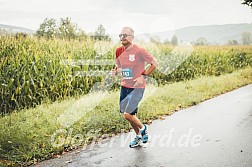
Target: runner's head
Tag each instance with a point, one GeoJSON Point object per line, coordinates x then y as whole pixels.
{"type": "Point", "coordinates": [126, 36]}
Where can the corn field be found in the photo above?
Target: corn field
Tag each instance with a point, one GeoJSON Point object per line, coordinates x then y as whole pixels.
{"type": "Point", "coordinates": [31, 69]}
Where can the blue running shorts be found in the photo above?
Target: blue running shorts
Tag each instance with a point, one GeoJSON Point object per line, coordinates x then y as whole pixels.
{"type": "Point", "coordinates": [129, 99]}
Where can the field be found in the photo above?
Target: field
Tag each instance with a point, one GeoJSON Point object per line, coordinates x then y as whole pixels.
{"type": "Point", "coordinates": [33, 70]}
{"type": "Point", "coordinates": [44, 90]}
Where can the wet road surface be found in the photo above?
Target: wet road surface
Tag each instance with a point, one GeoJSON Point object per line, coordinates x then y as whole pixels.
{"type": "Point", "coordinates": [217, 132]}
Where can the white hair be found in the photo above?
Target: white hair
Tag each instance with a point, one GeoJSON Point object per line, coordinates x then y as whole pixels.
{"type": "Point", "coordinates": [129, 28]}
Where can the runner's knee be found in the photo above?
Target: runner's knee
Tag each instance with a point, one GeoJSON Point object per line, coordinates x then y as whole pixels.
{"type": "Point", "coordinates": [127, 116]}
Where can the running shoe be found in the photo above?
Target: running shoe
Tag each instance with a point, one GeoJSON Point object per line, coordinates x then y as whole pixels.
{"type": "Point", "coordinates": [135, 142]}
{"type": "Point", "coordinates": [144, 134]}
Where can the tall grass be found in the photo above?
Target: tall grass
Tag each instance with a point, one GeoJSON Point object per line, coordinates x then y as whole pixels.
{"type": "Point", "coordinates": [31, 70]}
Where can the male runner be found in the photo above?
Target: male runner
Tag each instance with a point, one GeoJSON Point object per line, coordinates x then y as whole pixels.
{"type": "Point", "coordinates": [130, 62]}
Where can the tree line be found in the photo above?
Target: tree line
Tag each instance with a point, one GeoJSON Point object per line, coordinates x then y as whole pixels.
{"type": "Point", "coordinates": [66, 29]}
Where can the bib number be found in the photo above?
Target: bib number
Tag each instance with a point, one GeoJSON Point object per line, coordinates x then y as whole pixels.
{"type": "Point", "coordinates": [127, 73]}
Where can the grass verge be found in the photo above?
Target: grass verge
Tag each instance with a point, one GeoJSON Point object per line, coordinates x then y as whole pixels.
{"type": "Point", "coordinates": [26, 136]}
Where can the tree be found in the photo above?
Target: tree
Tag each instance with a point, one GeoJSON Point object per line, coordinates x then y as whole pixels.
{"type": "Point", "coordinates": [80, 34]}
{"type": "Point", "coordinates": [64, 29]}
{"type": "Point", "coordinates": [233, 42]}
{"type": "Point", "coordinates": [247, 2]}
{"type": "Point", "coordinates": [100, 33]}
{"type": "Point", "coordinates": [174, 40]}
{"type": "Point", "coordinates": [246, 38]}
{"type": "Point", "coordinates": [47, 29]}
{"type": "Point", "coordinates": [166, 41]}
{"type": "Point", "coordinates": [67, 29]}
{"type": "Point", "coordinates": [201, 41]}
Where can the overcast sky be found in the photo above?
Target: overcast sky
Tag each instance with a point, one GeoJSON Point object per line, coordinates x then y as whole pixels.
{"type": "Point", "coordinates": [142, 15]}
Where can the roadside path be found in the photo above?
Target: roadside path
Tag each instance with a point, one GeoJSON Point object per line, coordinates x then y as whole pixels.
{"type": "Point", "coordinates": [217, 132]}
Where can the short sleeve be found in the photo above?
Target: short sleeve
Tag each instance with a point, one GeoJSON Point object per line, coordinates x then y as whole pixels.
{"type": "Point", "coordinates": [119, 51]}
{"type": "Point", "coordinates": [146, 56]}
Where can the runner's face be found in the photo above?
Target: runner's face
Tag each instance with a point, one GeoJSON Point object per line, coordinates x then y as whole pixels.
{"type": "Point", "coordinates": [126, 41]}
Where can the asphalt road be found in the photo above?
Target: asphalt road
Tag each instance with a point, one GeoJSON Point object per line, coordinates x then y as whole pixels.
{"type": "Point", "coordinates": [217, 132]}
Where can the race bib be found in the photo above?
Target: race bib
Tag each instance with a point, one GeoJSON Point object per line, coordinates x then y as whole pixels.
{"type": "Point", "coordinates": [127, 73]}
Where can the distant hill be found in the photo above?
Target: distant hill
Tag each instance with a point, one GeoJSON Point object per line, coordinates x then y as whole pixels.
{"type": "Point", "coordinates": [15, 29]}
{"type": "Point", "coordinates": [214, 34]}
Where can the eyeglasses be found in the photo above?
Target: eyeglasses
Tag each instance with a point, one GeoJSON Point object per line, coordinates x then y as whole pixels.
{"type": "Point", "coordinates": [124, 35]}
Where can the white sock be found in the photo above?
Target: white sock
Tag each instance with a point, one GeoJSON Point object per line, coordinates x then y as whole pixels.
{"type": "Point", "coordinates": [139, 136]}
{"type": "Point", "coordinates": [142, 128]}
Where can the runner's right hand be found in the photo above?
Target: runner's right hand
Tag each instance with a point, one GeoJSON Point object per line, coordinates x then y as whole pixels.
{"type": "Point", "coordinates": [114, 72]}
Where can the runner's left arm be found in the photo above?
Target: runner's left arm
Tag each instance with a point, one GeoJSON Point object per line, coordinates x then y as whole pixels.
{"type": "Point", "coordinates": [154, 65]}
